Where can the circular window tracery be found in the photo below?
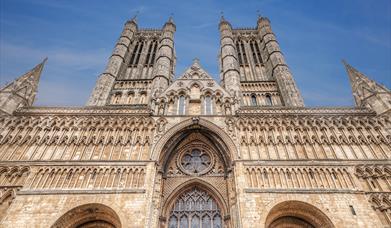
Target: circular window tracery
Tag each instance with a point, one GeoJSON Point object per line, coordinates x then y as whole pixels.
{"type": "Point", "coordinates": [195, 160]}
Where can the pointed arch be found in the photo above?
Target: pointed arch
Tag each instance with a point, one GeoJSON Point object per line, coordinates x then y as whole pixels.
{"type": "Point", "coordinates": [179, 131]}
{"type": "Point", "coordinates": [170, 201]}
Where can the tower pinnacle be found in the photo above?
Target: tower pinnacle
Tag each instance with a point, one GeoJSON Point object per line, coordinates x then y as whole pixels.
{"type": "Point", "coordinates": [22, 91]}
{"type": "Point", "coordinates": [368, 93]}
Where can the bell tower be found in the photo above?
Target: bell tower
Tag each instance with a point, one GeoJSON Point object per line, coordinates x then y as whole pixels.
{"type": "Point", "coordinates": [263, 76]}
{"type": "Point", "coordinates": [143, 61]}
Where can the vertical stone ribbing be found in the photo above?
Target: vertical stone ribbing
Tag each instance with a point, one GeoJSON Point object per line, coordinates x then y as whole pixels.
{"type": "Point", "coordinates": [277, 66]}
{"type": "Point", "coordinates": [163, 69]}
{"type": "Point", "coordinates": [230, 75]}
{"type": "Point", "coordinates": [106, 80]}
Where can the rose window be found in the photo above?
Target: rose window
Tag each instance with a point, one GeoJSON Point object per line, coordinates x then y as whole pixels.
{"type": "Point", "coordinates": [195, 161]}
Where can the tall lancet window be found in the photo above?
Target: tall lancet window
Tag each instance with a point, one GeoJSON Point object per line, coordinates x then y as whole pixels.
{"type": "Point", "coordinates": [181, 105]}
{"type": "Point", "coordinates": [269, 101]}
{"type": "Point", "coordinates": [208, 105]}
{"type": "Point", "coordinates": [253, 100]}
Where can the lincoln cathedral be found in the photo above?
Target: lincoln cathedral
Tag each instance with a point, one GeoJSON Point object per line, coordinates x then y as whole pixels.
{"type": "Point", "coordinates": [154, 149]}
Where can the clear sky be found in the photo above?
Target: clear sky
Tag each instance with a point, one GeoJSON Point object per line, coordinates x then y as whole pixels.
{"type": "Point", "coordinates": [78, 37]}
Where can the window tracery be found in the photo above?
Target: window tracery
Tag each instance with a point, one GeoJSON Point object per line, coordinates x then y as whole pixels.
{"type": "Point", "coordinates": [195, 208]}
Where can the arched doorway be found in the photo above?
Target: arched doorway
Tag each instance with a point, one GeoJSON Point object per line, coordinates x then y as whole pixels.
{"type": "Point", "coordinates": [294, 214]}
{"type": "Point", "coordinates": [193, 157]}
{"type": "Point", "coordinates": [88, 216]}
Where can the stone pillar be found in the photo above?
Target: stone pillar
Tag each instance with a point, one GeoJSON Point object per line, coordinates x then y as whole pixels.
{"type": "Point", "coordinates": [277, 66]}
{"type": "Point", "coordinates": [230, 76]}
{"type": "Point", "coordinates": [163, 69]}
{"type": "Point", "coordinates": [106, 80]}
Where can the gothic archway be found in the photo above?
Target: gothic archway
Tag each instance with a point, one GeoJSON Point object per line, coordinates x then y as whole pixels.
{"type": "Point", "coordinates": [88, 216]}
{"type": "Point", "coordinates": [297, 214]}
{"type": "Point", "coordinates": [196, 154]}
{"type": "Point", "coordinates": [195, 206]}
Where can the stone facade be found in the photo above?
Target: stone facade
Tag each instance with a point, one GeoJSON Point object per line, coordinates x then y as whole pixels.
{"type": "Point", "coordinates": [151, 151]}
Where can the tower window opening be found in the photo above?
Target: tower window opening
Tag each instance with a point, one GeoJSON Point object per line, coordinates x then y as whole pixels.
{"type": "Point", "coordinates": [269, 101]}
{"type": "Point", "coordinates": [148, 54]}
{"type": "Point", "coordinates": [244, 54]}
{"type": "Point", "coordinates": [254, 100]}
{"type": "Point", "coordinates": [255, 57]}
{"type": "Point", "coordinates": [131, 62]}
{"type": "Point", "coordinates": [153, 53]}
{"type": "Point", "coordinates": [181, 105]}
{"type": "Point", "coordinates": [208, 105]}
{"type": "Point", "coordinates": [239, 54]}
{"type": "Point", "coordinates": [139, 53]}
{"type": "Point", "coordinates": [258, 52]}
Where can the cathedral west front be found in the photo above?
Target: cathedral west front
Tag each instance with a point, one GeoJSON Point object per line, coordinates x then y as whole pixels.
{"type": "Point", "coordinates": [154, 149]}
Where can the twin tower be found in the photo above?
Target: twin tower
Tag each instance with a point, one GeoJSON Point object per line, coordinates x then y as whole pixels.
{"type": "Point", "coordinates": [252, 68]}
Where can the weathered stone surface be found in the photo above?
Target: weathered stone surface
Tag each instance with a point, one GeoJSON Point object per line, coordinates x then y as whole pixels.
{"type": "Point", "coordinates": [146, 145]}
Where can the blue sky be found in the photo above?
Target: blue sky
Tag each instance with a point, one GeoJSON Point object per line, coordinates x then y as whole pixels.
{"type": "Point", "coordinates": [78, 37]}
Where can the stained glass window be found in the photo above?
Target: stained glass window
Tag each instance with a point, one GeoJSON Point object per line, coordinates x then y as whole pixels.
{"type": "Point", "coordinates": [195, 209]}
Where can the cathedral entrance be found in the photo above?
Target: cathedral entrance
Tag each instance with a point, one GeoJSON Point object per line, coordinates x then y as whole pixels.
{"type": "Point", "coordinates": [297, 214]}
{"type": "Point", "coordinates": [197, 187]}
{"type": "Point", "coordinates": [88, 216]}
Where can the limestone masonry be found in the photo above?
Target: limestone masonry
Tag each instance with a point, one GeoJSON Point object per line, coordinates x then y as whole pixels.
{"type": "Point", "coordinates": [149, 150]}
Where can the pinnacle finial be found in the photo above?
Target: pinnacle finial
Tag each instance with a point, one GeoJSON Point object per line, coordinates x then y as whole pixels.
{"type": "Point", "coordinates": [134, 18]}
{"type": "Point", "coordinates": [196, 60]}
{"type": "Point", "coordinates": [222, 16]}
{"type": "Point", "coordinates": [171, 18]}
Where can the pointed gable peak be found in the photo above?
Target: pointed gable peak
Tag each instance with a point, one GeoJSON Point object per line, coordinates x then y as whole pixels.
{"type": "Point", "coordinates": [363, 87]}
{"type": "Point", "coordinates": [195, 71]}
{"type": "Point", "coordinates": [357, 78]}
{"type": "Point", "coordinates": [25, 87]}
{"type": "Point", "coordinates": [354, 74]}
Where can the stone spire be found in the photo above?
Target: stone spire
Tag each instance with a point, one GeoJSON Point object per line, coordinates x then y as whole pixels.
{"type": "Point", "coordinates": [280, 71]}
{"type": "Point", "coordinates": [106, 80]}
{"type": "Point", "coordinates": [368, 93]}
{"type": "Point", "coordinates": [22, 91]}
{"type": "Point", "coordinates": [163, 71]}
{"type": "Point", "coordinates": [230, 75]}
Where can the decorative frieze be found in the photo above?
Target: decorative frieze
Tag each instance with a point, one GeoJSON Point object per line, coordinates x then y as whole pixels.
{"type": "Point", "coordinates": [302, 177]}
{"type": "Point", "coordinates": [72, 178]}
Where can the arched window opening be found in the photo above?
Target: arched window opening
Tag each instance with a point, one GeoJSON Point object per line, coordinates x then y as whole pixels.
{"type": "Point", "coordinates": [131, 62]}
{"type": "Point", "coordinates": [195, 208]}
{"type": "Point", "coordinates": [208, 105]}
{"type": "Point", "coordinates": [239, 53]}
{"type": "Point", "coordinates": [254, 100]}
{"type": "Point", "coordinates": [181, 105]}
{"type": "Point", "coordinates": [269, 101]}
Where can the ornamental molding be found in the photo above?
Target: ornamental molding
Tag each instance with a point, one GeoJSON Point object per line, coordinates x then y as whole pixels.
{"type": "Point", "coordinates": [86, 111]}
{"type": "Point", "coordinates": [304, 111]}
